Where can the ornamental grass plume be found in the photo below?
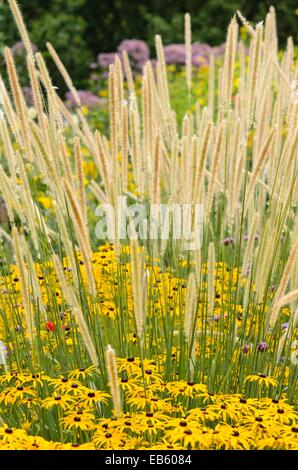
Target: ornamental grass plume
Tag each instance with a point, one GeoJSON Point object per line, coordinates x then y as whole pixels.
{"type": "Point", "coordinates": [218, 150]}
{"type": "Point", "coordinates": [288, 298]}
{"type": "Point", "coordinates": [124, 146]}
{"type": "Point", "coordinates": [64, 73]}
{"type": "Point", "coordinates": [229, 64]}
{"type": "Point", "coordinates": [259, 166]}
{"type": "Point", "coordinates": [71, 299]}
{"type": "Point", "coordinates": [279, 295]}
{"type": "Point", "coordinates": [82, 235]}
{"type": "Point", "coordinates": [246, 23]}
{"type": "Point", "coordinates": [162, 81]}
{"type": "Point", "coordinates": [254, 72]}
{"type": "Point", "coordinates": [128, 73]}
{"type": "Point", "coordinates": [155, 191]}
{"type": "Point", "coordinates": [24, 283]}
{"type": "Point", "coordinates": [190, 307]}
{"type": "Point", "coordinates": [9, 200]}
{"type": "Point", "coordinates": [139, 287]}
{"type": "Point", "coordinates": [80, 179]}
{"type": "Point", "coordinates": [21, 26]}
{"type": "Point", "coordinates": [19, 102]}
{"type": "Point", "coordinates": [247, 258]}
{"type": "Point", "coordinates": [37, 95]}
{"type": "Point", "coordinates": [113, 379]}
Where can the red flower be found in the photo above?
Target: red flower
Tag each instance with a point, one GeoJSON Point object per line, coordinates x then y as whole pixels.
{"type": "Point", "coordinates": [50, 326]}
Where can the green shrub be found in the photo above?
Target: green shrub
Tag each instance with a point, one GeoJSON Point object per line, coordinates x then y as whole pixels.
{"type": "Point", "coordinates": [80, 29]}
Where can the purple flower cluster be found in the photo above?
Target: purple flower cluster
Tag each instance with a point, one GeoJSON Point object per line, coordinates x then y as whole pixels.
{"type": "Point", "coordinates": [28, 95]}
{"type": "Point", "coordinates": [175, 54]}
{"type": "Point", "coordinates": [201, 53]}
{"type": "Point", "coordinates": [262, 346]}
{"type": "Point", "coordinates": [87, 99]}
{"type": "Point", "coordinates": [105, 59]}
{"type": "Point", "coordinates": [228, 241]}
{"type": "Point", "coordinates": [19, 48]}
{"type": "Point", "coordinates": [136, 50]}
{"type": "Point", "coordinates": [138, 53]}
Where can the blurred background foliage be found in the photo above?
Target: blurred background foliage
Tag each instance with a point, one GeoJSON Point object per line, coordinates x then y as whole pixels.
{"type": "Point", "coordinates": [80, 29]}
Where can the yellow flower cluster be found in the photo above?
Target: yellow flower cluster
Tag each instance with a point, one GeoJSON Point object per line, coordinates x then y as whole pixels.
{"type": "Point", "coordinates": [69, 407]}
{"type": "Point", "coordinates": [161, 415]}
{"type": "Point", "coordinates": [166, 288]}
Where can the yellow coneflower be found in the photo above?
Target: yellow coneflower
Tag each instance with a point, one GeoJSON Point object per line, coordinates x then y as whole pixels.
{"type": "Point", "coordinates": [262, 379]}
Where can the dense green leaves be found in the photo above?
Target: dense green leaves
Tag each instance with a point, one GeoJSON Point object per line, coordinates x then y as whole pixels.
{"type": "Point", "coordinates": [80, 29]}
